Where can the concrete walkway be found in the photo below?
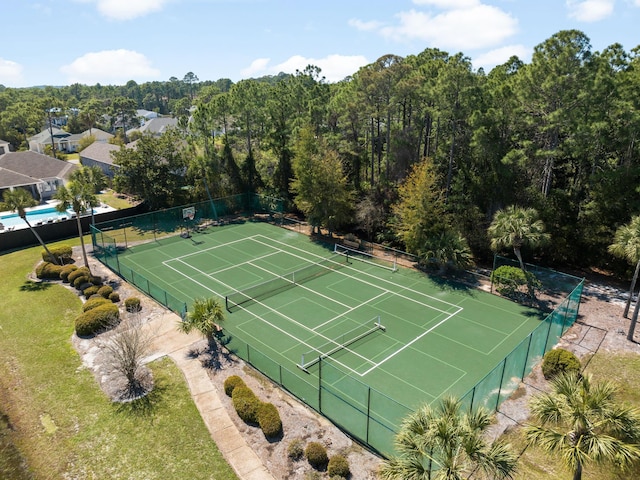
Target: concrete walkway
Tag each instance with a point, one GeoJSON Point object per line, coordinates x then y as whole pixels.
{"type": "Point", "coordinates": [168, 341]}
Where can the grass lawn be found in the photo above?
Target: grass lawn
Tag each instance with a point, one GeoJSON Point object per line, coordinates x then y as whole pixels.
{"type": "Point", "coordinates": [624, 371]}
{"type": "Point", "coordinates": [114, 200]}
{"type": "Point", "coordinates": [61, 423]}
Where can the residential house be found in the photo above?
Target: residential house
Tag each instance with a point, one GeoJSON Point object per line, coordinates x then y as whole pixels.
{"type": "Point", "coordinates": [39, 174]}
{"type": "Point", "coordinates": [99, 155]}
{"type": "Point", "coordinates": [64, 141]}
{"type": "Point", "coordinates": [155, 126]}
{"type": "Point", "coordinates": [5, 147]}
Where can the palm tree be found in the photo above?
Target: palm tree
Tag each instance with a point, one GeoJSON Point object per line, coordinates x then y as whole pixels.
{"type": "Point", "coordinates": [449, 250]}
{"type": "Point", "coordinates": [78, 195]}
{"type": "Point", "coordinates": [581, 422]}
{"type": "Point", "coordinates": [205, 316]}
{"type": "Point", "coordinates": [626, 245]}
{"type": "Point", "coordinates": [95, 179]}
{"type": "Point", "coordinates": [17, 201]}
{"type": "Point", "coordinates": [446, 444]}
{"type": "Point", "coordinates": [516, 227]}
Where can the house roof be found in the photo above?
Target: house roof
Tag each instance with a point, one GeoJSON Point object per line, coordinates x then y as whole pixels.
{"type": "Point", "coordinates": [100, 152]}
{"type": "Point", "coordinates": [156, 126]}
{"type": "Point", "coordinates": [10, 179]}
{"type": "Point", "coordinates": [35, 165]}
{"type": "Point", "coordinates": [45, 135]}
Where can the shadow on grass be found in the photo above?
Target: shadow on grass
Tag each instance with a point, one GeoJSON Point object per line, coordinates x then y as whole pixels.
{"type": "Point", "coordinates": [144, 406]}
{"type": "Point", "coordinates": [31, 286]}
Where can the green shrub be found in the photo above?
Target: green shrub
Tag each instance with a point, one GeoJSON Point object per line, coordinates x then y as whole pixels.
{"type": "Point", "coordinates": [65, 271]}
{"type": "Point", "coordinates": [132, 304]}
{"type": "Point", "coordinates": [295, 449]}
{"type": "Point", "coordinates": [514, 283]}
{"type": "Point", "coordinates": [316, 455]}
{"type": "Point", "coordinates": [96, 319]}
{"type": "Point", "coordinates": [246, 404]}
{"type": "Point", "coordinates": [61, 253]}
{"type": "Point", "coordinates": [94, 302]}
{"type": "Point", "coordinates": [231, 383]}
{"type": "Point", "coordinates": [48, 271]}
{"type": "Point", "coordinates": [78, 272]}
{"type": "Point", "coordinates": [92, 290]}
{"type": "Point", "coordinates": [269, 420]}
{"type": "Point", "coordinates": [96, 279]}
{"type": "Point", "coordinates": [338, 467]}
{"type": "Point", "coordinates": [558, 361]}
{"type": "Point", "coordinates": [114, 297]}
{"type": "Point", "coordinates": [82, 282]}
{"type": "Point", "coordinates": [312, 475]}
{"type": "Point", "coordinates": [105, 291]}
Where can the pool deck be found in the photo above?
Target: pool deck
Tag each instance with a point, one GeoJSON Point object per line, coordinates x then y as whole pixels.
{"type": "Point", "coordinates": [48, 204]}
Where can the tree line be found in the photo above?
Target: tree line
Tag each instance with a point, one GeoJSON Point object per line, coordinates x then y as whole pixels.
{"type": "Point", "coordinates": [424, 141]}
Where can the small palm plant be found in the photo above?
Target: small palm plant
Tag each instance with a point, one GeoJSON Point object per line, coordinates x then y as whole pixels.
{"type": "Point", "coordinates": [205, 316]}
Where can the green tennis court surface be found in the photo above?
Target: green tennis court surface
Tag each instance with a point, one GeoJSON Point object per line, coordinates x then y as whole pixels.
{"type": "Point", "coordinates": [396, 332]}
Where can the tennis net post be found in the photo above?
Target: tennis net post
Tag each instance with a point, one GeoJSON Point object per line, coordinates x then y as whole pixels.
{"type": "Point", "coordinates": [352, 253]}
{"type": "Point", "coordinates": [342, 342]}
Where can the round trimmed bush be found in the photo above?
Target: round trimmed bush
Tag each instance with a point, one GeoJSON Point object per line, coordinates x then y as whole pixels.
{"type": "Point", "coordinates": [231, 383]}
{"type": "Point", "coordinates": [65, 271]}
{"type": "Point", "coordinates": [338, 467]}
{"type": "Point", "coordinates": [295, 449]}
{"type": "Point", "coordinates": [246, 404]}
{"type": "Point", "coordinates": [114, 297]}
{"type": "Point", "coordinates": [132, 304]}
{"type": "Point", "coordinates": [78, 272]}
{"type": "Point", "coordinates": [94, 302]}
{"type": "Point", "coordinates": [61, 253]}
{"type": "Point", "coordinates": [316, 455]}
{"type": "Point", "coordinates": [82, 282]}
{"type": "Point", "coordinates": [269, 420]}
{"type": "Point", "coordinates": [92, 290]}
{"type": "Point", "coordinates": [105, 291]}
{"type": "Point", "coordinates": [49, 271]}
{"type": "Point", "coordinates": [96, 279]}
{"type": "Point", "coordinates": [96, 319]}
{"type": "Point", "coordinates": [558, 361]}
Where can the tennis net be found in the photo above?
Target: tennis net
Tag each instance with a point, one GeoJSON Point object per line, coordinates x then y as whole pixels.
{"type": "Point", "coordinates": [314, 356]}
{"type": "Point", "coordinates": [281, 283]}
{"type": "Point", "coordinates": [352, 253]}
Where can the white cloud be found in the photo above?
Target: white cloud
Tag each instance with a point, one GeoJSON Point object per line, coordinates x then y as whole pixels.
{"type": "Point", "coordinates": [127, 9]}
{"type": "Point", "coordinates": [367, 26]}
{"type": "Point", "coordinates": [110, 67]}
{"type": "Point", "coordinates": [333, 67]}
{"type": "Point", "coordinates": [257, 66]}
{"type": "Point", "coordinates": [472, 27]}
{"type": "Point", "coordinates": [498, 56]}
{"type": "Point", "coordinates": [591, 10]}
{"type": "Point", "coordinates": [10, 73]}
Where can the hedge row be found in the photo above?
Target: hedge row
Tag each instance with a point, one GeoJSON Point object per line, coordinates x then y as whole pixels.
{"type": "Point", "coordinates": [62, 254]}
{"type": "Point", "coordinates": [97, 319]}
{"type": "Point", "coordinates": [250, 409]}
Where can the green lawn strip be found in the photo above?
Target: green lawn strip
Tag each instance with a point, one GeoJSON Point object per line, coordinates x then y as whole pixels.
{"type": "Point", "coordinates": [112, 199]}
{"type": "Point", "coordinates": [620, 368]}
{"type": "Point", "coordinates": [62, 422]}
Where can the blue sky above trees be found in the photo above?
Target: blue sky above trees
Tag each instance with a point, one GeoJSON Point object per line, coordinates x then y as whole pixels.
{"type": "Point", "coordinates": [60, 42]}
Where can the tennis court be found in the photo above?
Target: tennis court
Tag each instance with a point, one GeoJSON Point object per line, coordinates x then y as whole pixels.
{"type": "Point", "coordinates": [395, 331]}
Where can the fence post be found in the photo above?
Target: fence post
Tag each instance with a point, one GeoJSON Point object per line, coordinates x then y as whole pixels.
{"type": "Point", "coordinates": [504, 368]}
{"type": "Point", "coordinates": [526, 358]}
{"type": "Point", "coordinates": [368, 413]}
{"type": "Point", "coordinates": [320, 385]}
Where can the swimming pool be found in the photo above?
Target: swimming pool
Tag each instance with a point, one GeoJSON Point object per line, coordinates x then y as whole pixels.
{"type": "Point", "coordinates": [35, 217]}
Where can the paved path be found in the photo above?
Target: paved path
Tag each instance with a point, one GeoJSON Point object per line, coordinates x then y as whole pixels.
{"type": "Point", "coordinates": [168, 341]}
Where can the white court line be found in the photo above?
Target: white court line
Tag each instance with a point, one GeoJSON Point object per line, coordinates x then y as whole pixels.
{"type": "Point", "coordinates": [235, 265]}
{"type": "Point", "coordinates": [409, 344]}
{"type": "Point", "coordinates": [373, 276]}
{"type": "Point", "coordinates": [272, 310]}
{"type": "Point", "coordinates": [384, 291]}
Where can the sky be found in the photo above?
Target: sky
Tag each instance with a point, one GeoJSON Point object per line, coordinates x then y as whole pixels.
{"type": "Point", "coordinates": [61, 42]}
